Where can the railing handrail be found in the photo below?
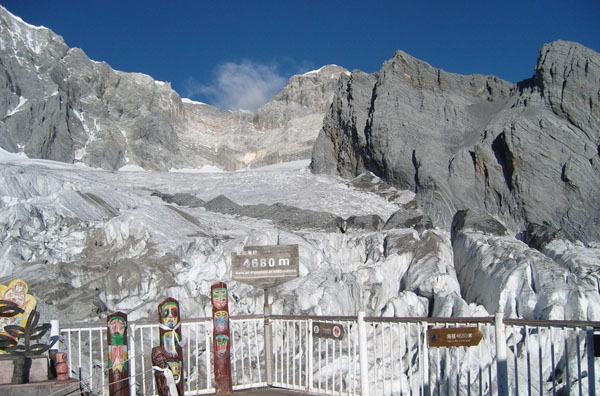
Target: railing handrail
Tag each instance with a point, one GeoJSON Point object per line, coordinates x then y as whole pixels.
{"type": "Point", "coordinates": [314, 317]}
{"type": "Point", "coordinates": [145, 322]}
{"type": "Point", "coordinates": [554, 323]}
{"type": "Point", "coordinates": [294, 367]}
{"type": "Point", "coordinates": [416, 319]}
{"type": "Point", "coordinates": [386, 319]}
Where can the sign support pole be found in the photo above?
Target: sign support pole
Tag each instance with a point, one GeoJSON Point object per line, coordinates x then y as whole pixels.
{"type": "Point", "coordinates": [363, 354]}
{"type": "Point", "coordinates": [268, 338]}
{"type": "Point", "coordinates": [265, 267]}
{"type": "Point", "coordinates": [501, 363]}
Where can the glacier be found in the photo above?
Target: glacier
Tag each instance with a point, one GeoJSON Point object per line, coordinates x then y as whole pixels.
{"type": "Point", "coordinates": [91, 241]}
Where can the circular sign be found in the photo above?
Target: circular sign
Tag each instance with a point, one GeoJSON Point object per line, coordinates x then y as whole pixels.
{"type": "Point", "coordinates": [336, 331]}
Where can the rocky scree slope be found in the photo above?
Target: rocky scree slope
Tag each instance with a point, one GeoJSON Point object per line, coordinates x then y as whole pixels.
{"type": "Point", "coordinates": [528, 153]}
{"type": "Point", "coordinates": [56, 103]}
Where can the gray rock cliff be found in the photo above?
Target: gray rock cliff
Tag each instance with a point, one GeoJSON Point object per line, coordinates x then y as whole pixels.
{"type": "Point", "coordinates": [56, 103]}
{"type": "Point", "coordinates": [528, 153]}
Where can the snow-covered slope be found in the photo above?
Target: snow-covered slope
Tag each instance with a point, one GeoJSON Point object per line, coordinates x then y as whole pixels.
{"type": "Point", "coordinates": [91, 241]}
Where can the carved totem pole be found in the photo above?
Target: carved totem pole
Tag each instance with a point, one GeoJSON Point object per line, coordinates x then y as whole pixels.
{"type": "Point", "coordinates": [165, 380]}
{"type": "Point", "coordinates": [170, 339]}
{"type": "Point", "coordinates": [221, 339]}
{"type": "Point", "coordinates": [118, 367]}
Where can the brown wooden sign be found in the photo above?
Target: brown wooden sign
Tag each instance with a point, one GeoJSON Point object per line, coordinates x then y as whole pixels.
{"type": "Point", "coordinates": [221, 339]}
{"type": "Point", "coordinates": [118, 364]}
{"type": "Point", "coordinates": [265, 266]}
{"type": "Point", "coordinates": [169, 319]}
{"type": "Point", "coordinates": [454, 337]}
{"type": "Point", "coordinates": [333, 331]}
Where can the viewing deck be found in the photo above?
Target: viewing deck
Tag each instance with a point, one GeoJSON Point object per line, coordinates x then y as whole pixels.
{"type": "Point", "coordinates": [272, 392]}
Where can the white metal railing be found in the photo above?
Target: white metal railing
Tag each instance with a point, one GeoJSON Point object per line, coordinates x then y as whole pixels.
{"type": "Point", "coordinates": [540, 358]}
{"type": "Point", "coordinates": [197, 343]}
{"type": "Point", "coordinates": [247, 353]}
{"type": "Point", "coordinates": [87, 359]}
{"type": "Point", "coordinates": [378, 356]}
{"type": "Point", "coordinates": [86, 355]}
{"type": "Point", "coordinates": [304, 362]}
{"type": "Point", "coordinates": [401, 362]}
{"type": "Point", "coordinates": [550, 358]}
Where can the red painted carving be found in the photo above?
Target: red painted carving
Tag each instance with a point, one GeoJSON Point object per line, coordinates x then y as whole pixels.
{"type": "Point", "coordinates": [221, 339]}
{"type": "Point", "coordinates": [169, 321]}
{"type": "Point", "coordinates": [165, 380]}
{"type": "Point", "coordinates": [62, 368]}
{"type": "Point", "coordinates": [118, 365]}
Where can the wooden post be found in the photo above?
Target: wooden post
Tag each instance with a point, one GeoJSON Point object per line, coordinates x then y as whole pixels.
{"type": "Point", "coordinates": [118, 366]}
{"type": "Point", "coordinates": [221, 339]}
{"type": "Point", "coordinates": [170, 338]}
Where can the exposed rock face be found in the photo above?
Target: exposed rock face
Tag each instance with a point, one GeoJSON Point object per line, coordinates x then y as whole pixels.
{"type": "Point", "coordinates": [280, 214]}
{"type": "Point", "coordinates": [295, 115]}
{"type": "Point", "coordinates": [528, 152]}
{"type": "Point", "coordinates": [55, 103]}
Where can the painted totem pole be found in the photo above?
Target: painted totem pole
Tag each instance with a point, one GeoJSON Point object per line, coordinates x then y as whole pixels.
{"type": "Point", "coordinates": [170, 339]}
{"type": "Point", "coordinates": [118, 367]}
{"type": "Point", "coordinates": [165, 380]}
{"type": "Point", "coordinates": [221, 339]}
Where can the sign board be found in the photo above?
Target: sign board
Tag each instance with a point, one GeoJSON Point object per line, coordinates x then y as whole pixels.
{"type": "Point", "coordinates": [265, 266]}
{"type": "Point", "coordinates": [454, 337]}
{"type": "Point", "coordinates": [328, 330]}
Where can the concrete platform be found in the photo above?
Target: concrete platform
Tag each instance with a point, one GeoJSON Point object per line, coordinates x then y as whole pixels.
{"type": "Point", "coordinates": [42, 388]}
{"type": "Point", "coordinates": [271, 392]}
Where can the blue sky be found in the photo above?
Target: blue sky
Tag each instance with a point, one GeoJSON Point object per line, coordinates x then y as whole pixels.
{"type": "Point", "coordinates": [239, 53]}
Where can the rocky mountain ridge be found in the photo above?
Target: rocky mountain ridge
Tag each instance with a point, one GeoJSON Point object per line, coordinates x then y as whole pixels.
{"type": "Point", "coordinates": [527, 153]}
{"type": "Point", "coordinates": [56, 103]}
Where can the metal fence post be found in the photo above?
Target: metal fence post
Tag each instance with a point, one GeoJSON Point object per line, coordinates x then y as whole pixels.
{"type": "Point", "coordinates": [590, 361]}
{"type": "Point", "coordinates": [268, 339]}
{"type": "Point", "coordinates": [54, 334]}
{"type": "Point", "coordinates": [425, 350]}
{"type": "Point", "coordinates": [363, 353]}
{"type": "Point", "coordinates": [501, 364]}
{"type": "Point", "coordinates": [132, 375]}
{"type": "Point", "coordinates": [310, 377]}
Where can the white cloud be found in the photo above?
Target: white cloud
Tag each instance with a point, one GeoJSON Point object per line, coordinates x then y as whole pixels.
{"type": "Point", "coordinates": [246, 85]}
